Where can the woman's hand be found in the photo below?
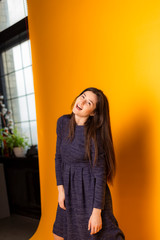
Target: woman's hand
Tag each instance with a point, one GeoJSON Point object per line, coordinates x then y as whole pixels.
{"type": "Point", "coordinates": [95, 221]}
{"type": "Point", "coordinates": [61, 197]}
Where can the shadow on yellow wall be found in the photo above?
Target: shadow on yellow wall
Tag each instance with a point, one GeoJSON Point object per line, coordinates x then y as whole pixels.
{"type": "Point", "coordinates": [114, 46]}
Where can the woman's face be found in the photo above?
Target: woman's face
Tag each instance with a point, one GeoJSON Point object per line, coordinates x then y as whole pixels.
{"type": "Point", "coordinates": [85, 104]}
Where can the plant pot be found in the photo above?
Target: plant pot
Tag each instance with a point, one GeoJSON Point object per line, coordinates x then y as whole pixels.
{"type": "Point", "coordinates": [19, 151]}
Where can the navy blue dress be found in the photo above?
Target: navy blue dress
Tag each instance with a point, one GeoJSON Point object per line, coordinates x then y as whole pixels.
{"type": "Point", "coordinates": [85, 188]}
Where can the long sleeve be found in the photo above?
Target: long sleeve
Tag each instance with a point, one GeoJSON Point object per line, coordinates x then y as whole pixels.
{"type": "Point", "coordinates": [99, 172]}
{"type": "Point", "coordinates": [58, 159]}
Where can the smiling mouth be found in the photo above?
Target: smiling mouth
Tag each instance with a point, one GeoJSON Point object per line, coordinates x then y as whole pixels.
{"type": "Point", "coordinates": [78, 107]}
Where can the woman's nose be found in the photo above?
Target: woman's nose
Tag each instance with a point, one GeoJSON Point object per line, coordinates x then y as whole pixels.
{"type": "Point", "coordinates": [83, 101]}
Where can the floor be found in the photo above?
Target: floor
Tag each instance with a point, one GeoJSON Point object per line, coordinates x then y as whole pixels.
{"type": "Point", "coordinates": [17, 227]}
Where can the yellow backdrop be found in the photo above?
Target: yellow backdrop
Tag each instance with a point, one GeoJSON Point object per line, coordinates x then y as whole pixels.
{"type": "Point", "coordinates": [114, 46]}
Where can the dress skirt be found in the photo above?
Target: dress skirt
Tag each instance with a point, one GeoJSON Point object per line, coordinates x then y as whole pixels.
{"type": "Point", "coordinates": [72, 223]}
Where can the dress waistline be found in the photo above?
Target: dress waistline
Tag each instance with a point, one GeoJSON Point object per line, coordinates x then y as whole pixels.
{"type": "Point", "coordinates": [78, 164]}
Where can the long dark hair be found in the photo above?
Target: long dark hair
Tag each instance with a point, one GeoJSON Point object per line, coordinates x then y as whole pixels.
{"type": "Point", "coordinates": [99, 122]}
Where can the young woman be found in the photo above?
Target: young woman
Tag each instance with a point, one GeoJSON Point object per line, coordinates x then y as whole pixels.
{"type": "Point", "coordinates": [84, 165]}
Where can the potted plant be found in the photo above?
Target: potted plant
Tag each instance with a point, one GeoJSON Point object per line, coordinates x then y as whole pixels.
{"type": "Point", "coordinates": [15, 142]}
{"type": "Point", "coordinates": [10, 140]}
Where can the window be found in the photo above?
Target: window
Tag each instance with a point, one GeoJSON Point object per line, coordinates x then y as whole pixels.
{"type": "Point", "coordinates": [16, 79]}
{"type": "Point", "coordinates": [11, 11]}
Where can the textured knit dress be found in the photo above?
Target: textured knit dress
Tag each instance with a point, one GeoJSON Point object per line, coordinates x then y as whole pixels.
{"type": "Point", "coordinates": [85, 188]}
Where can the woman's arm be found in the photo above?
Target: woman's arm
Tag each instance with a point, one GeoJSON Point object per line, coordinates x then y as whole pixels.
{"type": "Point", "coordinates": [58, 160]}
{"type": "Point", "coordinates": [99, 172]}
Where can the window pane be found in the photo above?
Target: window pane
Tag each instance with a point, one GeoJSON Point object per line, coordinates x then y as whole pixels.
{"type": "Point", "coordinates": [29, 80]}
{"type": "Point", "coordinates": [17, 57]}
{"type": "Point", "coordinates": [31, 104]}
{"type": "Point", "coordinates": [9, 61]}
{"type": "Point", "coordinates": [7, 86]}
{"type": "Point", "coordinates": [20, 109]}
{"type": "Point", "coordinates": [4, 62]}
{"type": "Point", "coordinates": [12, 11]}
{"type": "Point", "coordinates": [13, 59]}
{"type": "Point", "coordinates": [34, 132]}
{"type": "Point", "coordinates": [16, 83]}
{"type": "Point", "coordinates": [26, 57]}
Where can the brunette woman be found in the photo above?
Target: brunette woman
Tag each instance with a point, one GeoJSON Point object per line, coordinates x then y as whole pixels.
{"type": "Point", "coordinates": [84, 165]}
